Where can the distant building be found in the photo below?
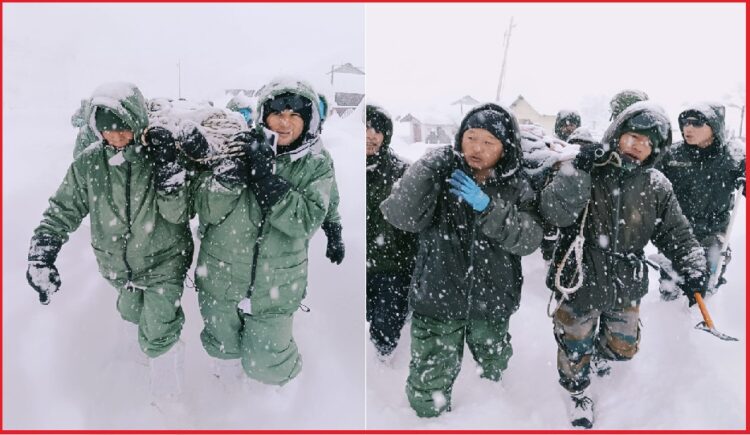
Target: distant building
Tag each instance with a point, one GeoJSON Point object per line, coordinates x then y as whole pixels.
{"type": "Point", "coordinates": [527, 114]}
{"type": "Point", "coordinates": [346, 102]}
{"type": "Point", "coordinates": [432, 128]}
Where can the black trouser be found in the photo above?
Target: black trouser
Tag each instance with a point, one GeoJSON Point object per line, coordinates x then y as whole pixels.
{"type": "Point", "coordinates": [387, 306]}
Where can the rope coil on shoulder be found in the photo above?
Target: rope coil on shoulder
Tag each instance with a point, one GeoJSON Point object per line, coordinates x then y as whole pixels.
{"type": "Point", "coordinates": [575, 248]}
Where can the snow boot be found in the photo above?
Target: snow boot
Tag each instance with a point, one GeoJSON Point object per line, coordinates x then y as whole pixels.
{"type": "Point", "coordinates": [229, 372]}
{"type": "Point", "coordinates": [167, 374]}
{"type": "Point", "coordinates": [600, 366]}
{"type": "Point", "coordinates": [581, 410]}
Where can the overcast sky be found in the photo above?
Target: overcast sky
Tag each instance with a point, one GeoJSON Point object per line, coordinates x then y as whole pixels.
{"type": "Point", "coordinates": [61, 52]}
{"type": "Point", "coordinates": [560, 56]}
{"type": "Point", "coordinates": [416, 55]}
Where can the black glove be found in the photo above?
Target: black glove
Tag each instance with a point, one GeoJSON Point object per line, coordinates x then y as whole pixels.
{"type": "Point", "coordinates": [258, 153]}
{"type": "Point", "coordinates": [42, 274]}
{"type": "Point", "coordinates": [442, 162]}
{"type": "Point", "coordinates": [589, 154]}
{"type": "Point", "coordinates": [692, 285]}
{"type": "Point", "coordinates": [335, 247]}
{"type": "Point", "coordinates": [231, 172]}
{"type": "Point", "coordinates": [269, 190]}
{"type": "Point", "coordinates": [195, 146]}
{"type": "Point", "coordinates": [166, 168]}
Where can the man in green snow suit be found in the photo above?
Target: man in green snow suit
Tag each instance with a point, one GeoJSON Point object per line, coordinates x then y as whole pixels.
{"type": "Point", "coordinates": [475, 215]}
{"type": "Point", "coordinates": [136, 197]}
{"type": "Point", "coordinates": [257, 214]}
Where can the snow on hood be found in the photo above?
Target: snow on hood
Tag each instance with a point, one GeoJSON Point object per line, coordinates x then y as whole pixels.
{"type": "Point", "coordinates": [714, 113]}
{"type": "Point", "coordinates": [126, 100]}
{"type": "Point", "coordinates": [614, 131]}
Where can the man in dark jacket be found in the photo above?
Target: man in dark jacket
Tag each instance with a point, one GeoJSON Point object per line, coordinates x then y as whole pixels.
{"type": "Point", "coordinates": [390, 251]}
{"type": "Point", "coordinates": [475, 215]}
{"type": "Point", "coordinates": [612, 196]}
{"type": "Point", "coordinates": [705, 170]}
{"type": "Point", "coordinates": [566, 122]}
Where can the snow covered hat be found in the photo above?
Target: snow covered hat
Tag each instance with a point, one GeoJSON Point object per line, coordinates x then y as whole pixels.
{"type": "Point", "coordinates": [624, 99]}
{"type": "Point", "coordinates": [124, 100]}
{"type": "Point", "coordinates": [380, 120]}
{"type": "Point", "coordinates": [566, 117]}
{"type": "Point", "coordinates": [501, 123]}
{"type": "Point", "coordinates": [711, 113]}
{"type": "Point", "coordinates": [107, 120]}
{"type": "Point", "coordinates": [645, 118]}
{"type": "Point", "coordinates": [284, 89]}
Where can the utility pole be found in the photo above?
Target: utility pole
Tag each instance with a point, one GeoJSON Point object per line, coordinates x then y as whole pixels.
{"type": "Point", "coordinates": [742, 119]}
{"type": "Point", "coordinates": [505, 58]}
{"type": "Point", "coordinates": [179, 80]}
{"type": "Point", "coordinates": [332, 68]}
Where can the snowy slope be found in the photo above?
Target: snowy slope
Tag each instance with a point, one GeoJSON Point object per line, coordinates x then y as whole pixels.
{"type": "Point", "coordinates": [682, 378]}
{"type": "Point", "coordinates": [65, 365]}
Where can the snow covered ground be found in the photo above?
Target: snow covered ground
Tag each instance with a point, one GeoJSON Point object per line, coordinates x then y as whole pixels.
{"type": "Point", "coordinates": [682, 378]}
{"type": "Point", "coordinates": [64, 365]}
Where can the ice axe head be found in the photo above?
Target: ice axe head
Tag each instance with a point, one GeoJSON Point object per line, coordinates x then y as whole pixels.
{"type": "Point", "coordinates": [704, 327]}
{"type": "Point", "coordinates": [707, 324]}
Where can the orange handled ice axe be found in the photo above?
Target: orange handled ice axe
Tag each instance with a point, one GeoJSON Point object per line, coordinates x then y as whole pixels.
{"type": "Point", "coordinates": [707, 324]}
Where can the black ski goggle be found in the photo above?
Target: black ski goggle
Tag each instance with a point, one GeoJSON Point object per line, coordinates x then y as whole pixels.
{"type": "Point", "coordinates": [293, 102]}
{"type": "Point", "coordinates": [695, 122]}
{"type": "Point", "coordinates": [646, 120]}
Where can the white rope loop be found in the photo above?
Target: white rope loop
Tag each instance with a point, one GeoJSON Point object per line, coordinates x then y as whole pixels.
{"type": "Point", "coordinates": [575, 248]}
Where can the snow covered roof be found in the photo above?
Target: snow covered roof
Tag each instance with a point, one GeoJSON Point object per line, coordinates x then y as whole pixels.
{"type": "Point", "coordinates": [466, 99]}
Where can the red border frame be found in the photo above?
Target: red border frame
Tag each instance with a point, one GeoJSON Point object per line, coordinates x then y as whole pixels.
{"type": "Point", "coordinates": [355, 431]}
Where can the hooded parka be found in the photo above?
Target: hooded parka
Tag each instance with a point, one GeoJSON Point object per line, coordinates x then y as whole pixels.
{"type": "Point", "coordinates": [140, 236]}
{"type": "Point", "coordinates": [626, 210]}
{"type": "Point", "coordinates": [246, 252]}
{"type": "Point", "coordinates": [704, 179]}
{"type": "Point", "coordinates": [468, 264]}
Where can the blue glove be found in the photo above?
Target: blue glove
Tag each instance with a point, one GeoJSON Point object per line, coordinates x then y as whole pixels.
{"type": "Point", "coordinates": [465, 188]}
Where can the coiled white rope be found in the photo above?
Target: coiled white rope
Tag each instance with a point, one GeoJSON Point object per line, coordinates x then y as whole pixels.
{"type": "Point", "coordinates": [576, 249]}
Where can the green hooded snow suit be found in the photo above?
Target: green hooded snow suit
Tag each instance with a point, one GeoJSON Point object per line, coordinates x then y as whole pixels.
{"type": "Point", "coordinates": [140, 236]}
{"type": "Point", "coordinates": [246, 252]}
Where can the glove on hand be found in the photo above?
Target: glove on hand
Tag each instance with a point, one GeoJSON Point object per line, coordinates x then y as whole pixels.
{"type": "Point", "coordinates": [335, 247]}
{"type": "Point", "coordinates": [258, 153]}
{"type": "Point", "coordinates": [42, 274]}
{"type": "Point", "coordinates": [195, 146]}
{"type": "Point", "coordinates": [694, 285]}
{"type": "Point", "coordinates": [161, 144]}
{"type": "Point", "coordinates": [231, 172]}
{"type": "Point", "coordinates": [589, 154]}
{"type": "Point", "coordinates": [464, 187]}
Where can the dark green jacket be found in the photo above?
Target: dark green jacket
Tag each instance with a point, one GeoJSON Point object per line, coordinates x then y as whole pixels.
{"type": "Point", "coordinates": [468, 264]}
{"type": "Point", "coordinates": [134, 228]}
{"type": "Point", "coordinates": [263, 254]}
{"type": "Point", "coordinates": [704, 179]}
{"type": "Point", "coordinates": [389, 250]}
{"type": "Point", "coordinates": [626, 210]}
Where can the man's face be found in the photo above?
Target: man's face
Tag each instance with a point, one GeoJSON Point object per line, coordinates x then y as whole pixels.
{"type": "Point", "coordinates": [118, 138]}
{"type": "Point", "coordinates": [374, 141]}
{"type": "Point", "coordinates": [568, 129]}
{"type": "Point", "coordinates": [287, 124]}
{"type": "Point", "coordinates": [481, 149]}
{"type": "Point", "coordinates": [696, 132]}
{"type": "Point", "coordinates": [635, 145]}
